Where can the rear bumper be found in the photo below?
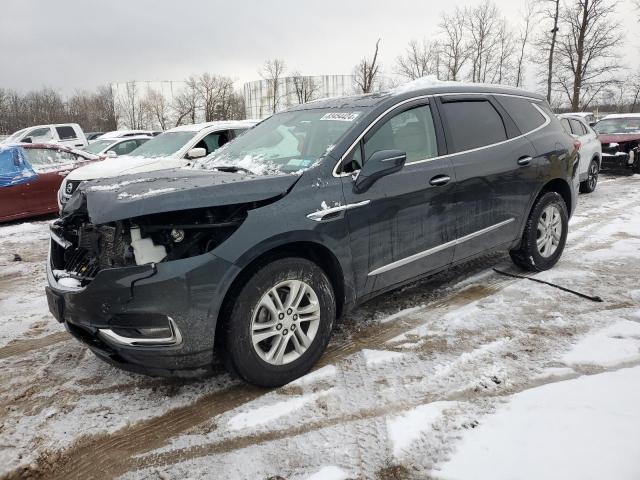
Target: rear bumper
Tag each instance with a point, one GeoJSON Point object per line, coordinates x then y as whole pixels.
{"type": "Point", "coordinates": [184, 294]}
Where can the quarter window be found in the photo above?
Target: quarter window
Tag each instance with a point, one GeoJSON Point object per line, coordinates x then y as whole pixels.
{"type": "Point", "coordinates": [473, 124]}
{"type": "Point", "coordinates": [577, 127]}
{"type": "Point", "coordinates": [522, 111]}
{"type": "Point", "coordinates": [411, 131]}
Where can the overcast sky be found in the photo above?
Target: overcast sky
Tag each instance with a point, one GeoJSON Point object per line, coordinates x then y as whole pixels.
{"type": "Point", "coordinates": [73, 44]}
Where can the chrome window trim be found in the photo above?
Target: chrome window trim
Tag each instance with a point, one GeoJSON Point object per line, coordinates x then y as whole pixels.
{"type": "Point", "coordinates": [372, 124]}
{"type": "Point", "coordinates": [425, 253]}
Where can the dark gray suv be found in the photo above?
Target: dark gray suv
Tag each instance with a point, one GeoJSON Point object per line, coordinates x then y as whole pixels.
{"type": "Point", "coordinates": [255, 250]}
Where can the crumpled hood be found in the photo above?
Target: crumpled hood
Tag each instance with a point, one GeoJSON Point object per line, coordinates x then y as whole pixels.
{"type": "Point", "coordinates": [618, 137]}
{"type": "Point", "coordinates": [178, 189]}
{"type": "Point", "coordinates": [125, 165]}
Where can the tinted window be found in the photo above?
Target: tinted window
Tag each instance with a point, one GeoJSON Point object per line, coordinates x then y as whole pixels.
{"type": "Point", "coordinates": [577, 127]}
{"type": "Point", "coordinates": [66, 133]}
{"type": "Point", "coordinates": [411, 131]}
{"type": "Point", "coordinates": [473, 124]}
{"type": "Point", "coordinates": [522, 111]}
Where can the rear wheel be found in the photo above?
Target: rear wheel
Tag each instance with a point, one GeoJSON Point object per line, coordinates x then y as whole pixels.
{"type": "Point", "coordinates": [280, 322]}
{"type": "Point", "coordinates": [545, 234]}
{"type": "Point", "coordinates": [589, 185]}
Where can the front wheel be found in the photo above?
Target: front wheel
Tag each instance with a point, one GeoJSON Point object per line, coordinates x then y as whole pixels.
{"type": "Point", "coordinates": [545, 234]}
{"type": "Point", "coordinates": [280, 322]}
{"type": "Point", "coordinates": [589, 185]}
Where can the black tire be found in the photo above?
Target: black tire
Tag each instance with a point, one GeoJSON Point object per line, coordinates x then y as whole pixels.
{"type": "Point", "coordinates": [527, 256]}
{"type": "Point", "coordinates": [636, 163]}
{"type": "Point", "coordinates": [239, 354]}
{"type": "Point", "coordinates": [589, 185]}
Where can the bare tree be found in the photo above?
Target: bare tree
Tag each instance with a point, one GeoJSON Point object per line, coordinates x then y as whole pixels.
{"type": "Point", "coordinates": [420, 59]}
{"type": "Point", "coordinates": [455, 50]}
{"type": "Point", "coordinates": [157, 106]}
{"type": "Point", "coordinates": [528, 16]}
{"type": "Point", "coordinates": [633, 81]}
{"type": "Point", "coordinates": [186, 103]}
{"type": "Point", "coordinates": [588, 52]}
{"type": "Point", "coordinates": [129, 106]}
{"type": "Point", "coordinates": [366, 72]}
{"type": "Point", "coordinates": [504, 68]}
{"type": "Point", "coordinates": [483, 26]}
{"type": "Point", "coordinates": [305, 88]}
{"type": "Point", "coordinates": [273, 71]}
{"type": "Point", "coordinates": [546, 43]}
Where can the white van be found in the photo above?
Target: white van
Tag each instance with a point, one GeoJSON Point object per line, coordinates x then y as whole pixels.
{"type": "Point", "coordinates": [69, 134]}
{"type": "Point", "coordinates": [172, 149]}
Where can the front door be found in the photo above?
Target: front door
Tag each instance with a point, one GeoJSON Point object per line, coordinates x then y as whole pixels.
{"type": "Point", "coordinates": [400, 228]}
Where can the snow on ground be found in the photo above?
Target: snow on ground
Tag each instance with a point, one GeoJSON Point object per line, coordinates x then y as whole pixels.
{"type": "Point", "coordinates": [466, 375]}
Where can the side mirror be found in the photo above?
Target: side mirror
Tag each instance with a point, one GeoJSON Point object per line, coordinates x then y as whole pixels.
{"type": "Point", "coordinates": [111, 154]}
{"type": "Point", "coordinates": [196, 153]}
{"type": "Point", "coordinates": [592, 124]}
{"type": "Point", "coordinates": [379, 164]}
{"type": "Point", "coordinates": [27, 140]}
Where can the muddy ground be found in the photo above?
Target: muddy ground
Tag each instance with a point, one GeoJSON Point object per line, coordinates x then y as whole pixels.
{"type": "Point", "coordinates": [461, 343]}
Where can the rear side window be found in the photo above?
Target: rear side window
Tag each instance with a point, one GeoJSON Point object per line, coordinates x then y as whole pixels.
{"type": "Point", "coordinates": [66, 133]}
{"type": "Point", "coordinates": [522, 111]}
{"type": "Point", "coordinates": [473, 124]}
{"type": "Point", "coordinates": [565, 124]}
{"type": "Point", "coordinates": [577, 127]}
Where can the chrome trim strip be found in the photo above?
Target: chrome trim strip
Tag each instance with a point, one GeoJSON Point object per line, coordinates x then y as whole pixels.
{"type": "Point", "coordinates": [320, 214]}
{"type": "Point", "coordinates": [439, 248]}
{"type": "Point", "coordinates": [174, 339]}
{"type": "Point", "coordinates": [372, 124]}
{"type": "Point", "coordinates": [60, 241]}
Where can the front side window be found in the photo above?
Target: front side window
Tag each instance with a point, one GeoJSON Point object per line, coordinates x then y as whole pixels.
{"type": "Point", "coordinates": [473, 124]}
{"type": "Point", "coordinates": [124, 148]}
{"type": "Point", "coordinates": [214, 141]}
{"type": "Point", "coordinates": [411, 131]}
{"type": "Point", "coordinates": [165, 144]}
{"type": "Point", "coordinates": [287, 142]}
{"type": "Point", "coordinates": [66, 133]}
{"type": "Point", "coordinates": [98, 146]}
{"type": "Point", "coordinates": [40, 134]}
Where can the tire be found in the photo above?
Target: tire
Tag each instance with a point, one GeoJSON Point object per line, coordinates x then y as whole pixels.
{"type": "Point", "coordinates": [281, 356]}
{"type": "Point", "coordinates": [589, 185]}
{"type": "Point", "coordinates": [537, 259]}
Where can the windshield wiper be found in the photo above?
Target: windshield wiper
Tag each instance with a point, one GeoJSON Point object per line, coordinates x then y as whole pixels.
{"type": "Point", "coordinates": [232, 169]}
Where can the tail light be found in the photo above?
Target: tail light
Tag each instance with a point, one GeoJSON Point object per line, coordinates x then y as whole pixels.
{"type": "Point", "coordinates": [577, 144]}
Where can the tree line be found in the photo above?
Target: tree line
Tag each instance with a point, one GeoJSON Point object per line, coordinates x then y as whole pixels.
{"type": "Point", "coordinates": [571, 47]}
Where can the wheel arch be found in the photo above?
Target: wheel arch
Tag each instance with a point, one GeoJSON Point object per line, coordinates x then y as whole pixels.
{"type": "Point", "coordinates": [310, 250]}
{"type": "Point", "coordinates": [561, 187]}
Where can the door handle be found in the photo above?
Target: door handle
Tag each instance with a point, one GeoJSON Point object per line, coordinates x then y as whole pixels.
{"type": "Point", "coordinates": [439, 180]}
{"type": "Point", "coordinates": [524, 160]}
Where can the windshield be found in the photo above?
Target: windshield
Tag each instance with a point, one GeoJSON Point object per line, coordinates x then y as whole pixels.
{"type": "Point", "coordinates": [98, 146]}
{"type": "Point", "coordinates": [164, 145]}
{"type": "Point", "coordinates": [287, 142]}
{"type": "Point", "coordinates": [618, 125]}
{"type": "Point", "coordinates": [15, 136]}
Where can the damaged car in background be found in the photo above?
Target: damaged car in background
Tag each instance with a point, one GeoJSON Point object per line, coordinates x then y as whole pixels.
{"type": "Point", "coordinates": [256, 249]}
{"type": "Point", "coordinates": [620, 138]}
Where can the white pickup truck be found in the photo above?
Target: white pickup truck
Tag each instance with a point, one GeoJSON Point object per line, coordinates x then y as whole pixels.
{"type": "Point", "coordinates": [69, 134]}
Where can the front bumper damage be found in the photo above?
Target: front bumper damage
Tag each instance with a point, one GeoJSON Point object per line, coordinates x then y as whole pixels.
{"type": "Point", "coordinates": [156, 319]}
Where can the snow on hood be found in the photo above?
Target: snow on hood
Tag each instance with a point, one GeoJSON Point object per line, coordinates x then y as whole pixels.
{"type": "Point", "coordinates": [178, 189]}
{"type": "Point", "coordinates": [125, 165]}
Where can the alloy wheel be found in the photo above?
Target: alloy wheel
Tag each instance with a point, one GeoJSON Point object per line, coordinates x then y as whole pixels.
{"type": "Point", "coordinates": [549, 231]}
{"type": "Point", "coordinates": [285, 322]}
{"type": "Point", "coordinates": [593, 176]}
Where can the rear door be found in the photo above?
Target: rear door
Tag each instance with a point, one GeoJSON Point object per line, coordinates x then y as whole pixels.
{"type": "Point", "coordinates": [496, 172]}
{"type": "Point", "coordinates": [587, 145]}
{"type": "Point", "coordinates": [401, 226]}
{"type": "Point", "coordinates": [51, 166]}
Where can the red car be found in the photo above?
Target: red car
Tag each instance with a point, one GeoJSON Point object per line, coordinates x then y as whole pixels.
{"type": "Point", "coordinates": [620, 138]}
{"type": "Point", "coordinates": [30, 176]}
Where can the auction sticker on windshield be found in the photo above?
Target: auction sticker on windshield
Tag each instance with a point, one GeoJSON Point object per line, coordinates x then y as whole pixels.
{"type": "Point", "coordinates": [341, 116]}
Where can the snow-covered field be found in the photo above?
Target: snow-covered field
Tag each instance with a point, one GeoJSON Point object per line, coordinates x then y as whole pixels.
{"type": "Point", "coordinates": [469, 375]}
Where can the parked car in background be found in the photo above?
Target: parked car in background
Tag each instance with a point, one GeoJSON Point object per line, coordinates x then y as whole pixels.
{"type": "Point", "coordinates": [93, 135]}
{"type": "Point", "coordinates": [115, 147]}
{"type": "Point", "coordinates": [31, 174]}
{"type": "Point", "coordinates": [69, 134]}
{"type": "Point", "coordinates": [174, 148]}
{"type": "Point", "coordinates": [589, 148]}
{"type": "Point", "coordinates": [588, 117]}
{"type": "Point", "coordinates": [259, 255]}
{"type": "Point", "coordinates": [620, 138]}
